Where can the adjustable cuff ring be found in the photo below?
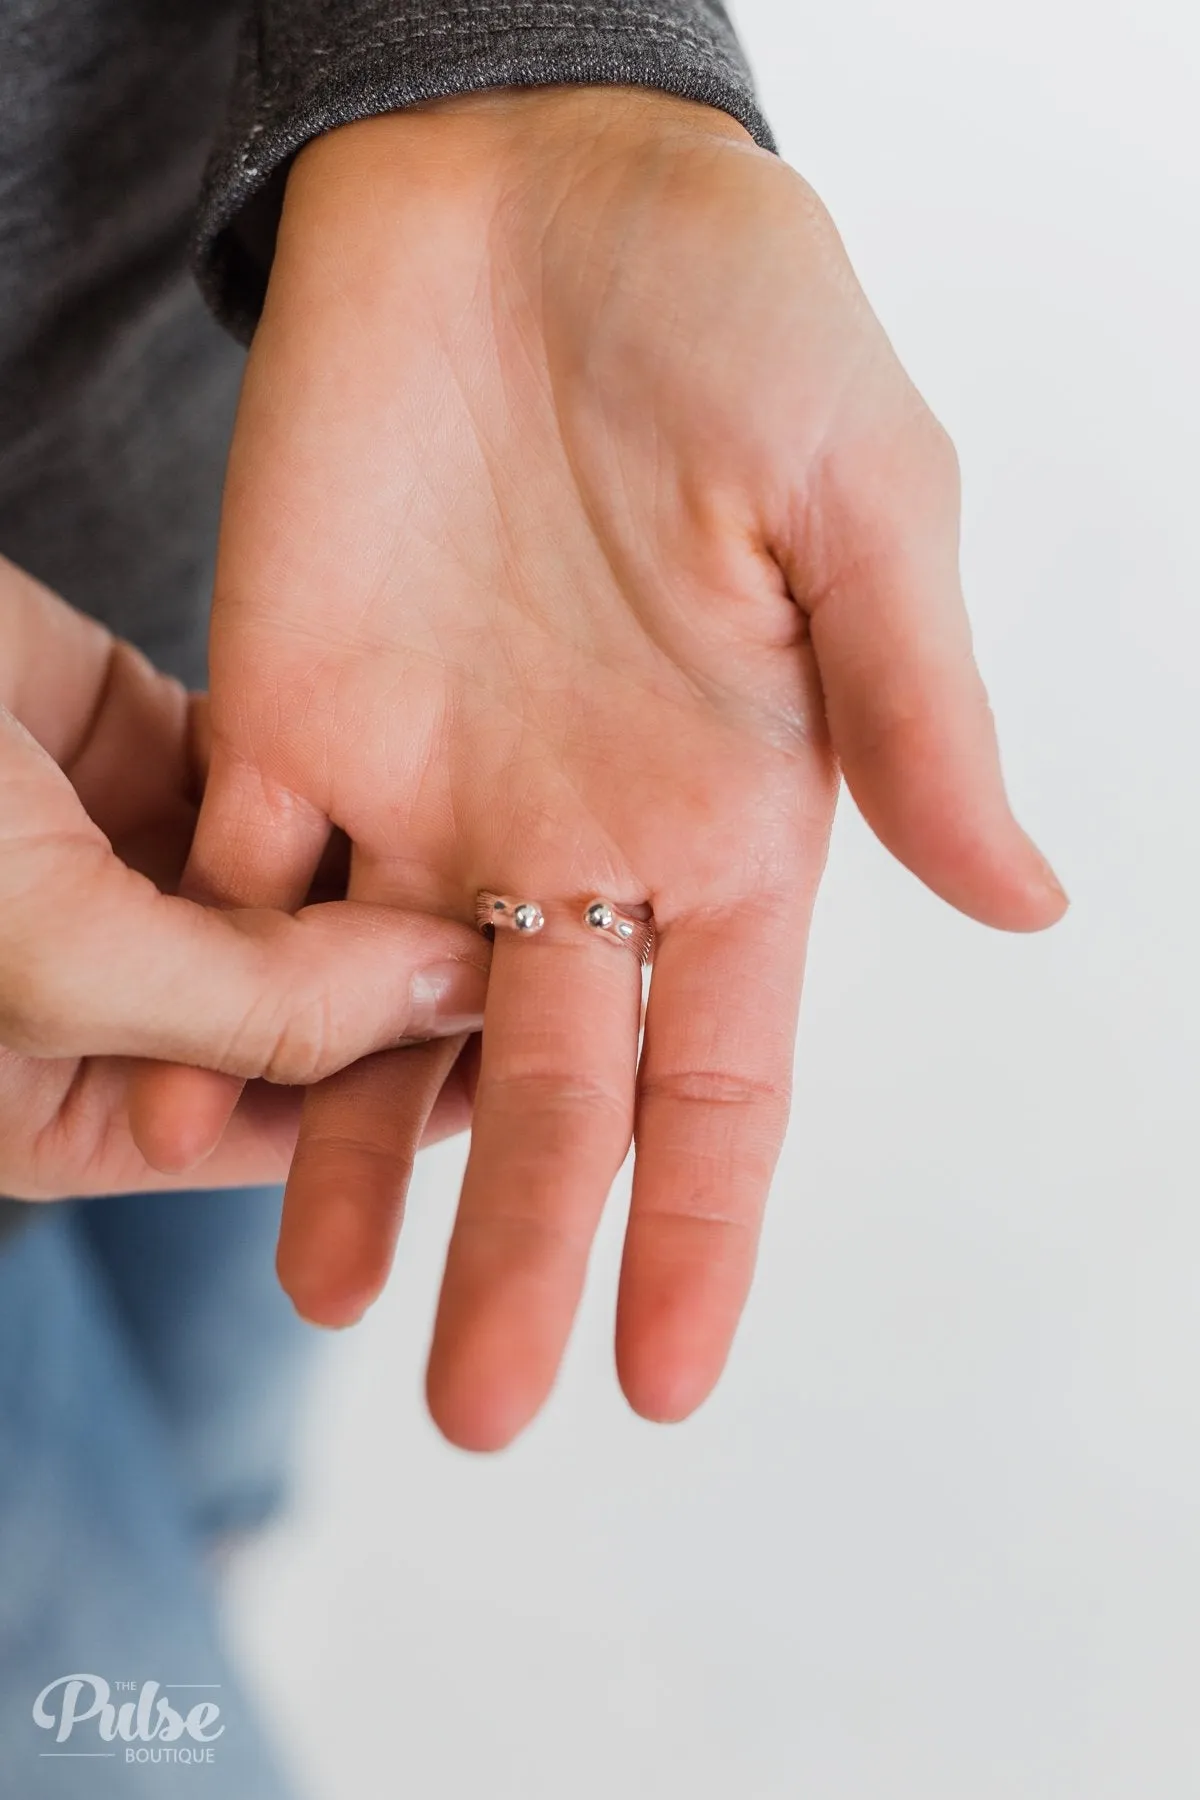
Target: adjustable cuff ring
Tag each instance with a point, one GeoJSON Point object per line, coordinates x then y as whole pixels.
{"type": "Point", "coordinates": [605, 919]}
{"type": "Point", "coordinates": [501, 912]}
{"type": "Point", "coordinates": [600, 918]}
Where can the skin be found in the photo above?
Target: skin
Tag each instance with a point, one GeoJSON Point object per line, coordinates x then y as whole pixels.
{"type": "Point", "coordinates": [101, 769]}
{"type": "Point", "coordinates": [581, 531]}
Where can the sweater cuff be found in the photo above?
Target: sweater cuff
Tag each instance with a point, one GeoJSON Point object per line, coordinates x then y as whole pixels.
{"type": "Point", "coordinates": [324, 63]}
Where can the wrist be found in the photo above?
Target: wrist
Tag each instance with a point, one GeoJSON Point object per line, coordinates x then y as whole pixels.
{"type": "Point", "coordinates": [428, 190]}
{"type": "Point", "coordinates": [476, 138]}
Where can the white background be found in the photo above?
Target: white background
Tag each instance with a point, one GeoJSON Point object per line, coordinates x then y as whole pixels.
{"type": "Point", "coordinates": [938, 1534]}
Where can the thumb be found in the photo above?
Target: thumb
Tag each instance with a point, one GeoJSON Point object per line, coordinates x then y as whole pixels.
{"type": "Point", "coordinates": [94, 960]}
{"type": "Point", "coordinates": [908, 713]}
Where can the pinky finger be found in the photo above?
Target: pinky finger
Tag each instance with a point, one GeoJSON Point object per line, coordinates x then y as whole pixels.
{"type": "Point", "coordinates": [714, 1092]}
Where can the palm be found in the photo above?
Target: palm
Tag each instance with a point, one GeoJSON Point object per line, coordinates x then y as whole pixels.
{"type": "Point", "coordinates": [604, 759]}
{"type": "Point", "coordinates": [534, 584]}
{"type": "Point", "coordinates": [517, 522]}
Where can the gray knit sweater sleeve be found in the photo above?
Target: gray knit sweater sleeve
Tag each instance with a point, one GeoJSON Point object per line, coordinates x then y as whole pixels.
{"type": "Point", "coordinates": [308, 65]}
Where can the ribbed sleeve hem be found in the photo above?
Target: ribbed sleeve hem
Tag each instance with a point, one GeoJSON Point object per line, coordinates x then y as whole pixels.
{"type": "Point", "coordinates": [328, 63]}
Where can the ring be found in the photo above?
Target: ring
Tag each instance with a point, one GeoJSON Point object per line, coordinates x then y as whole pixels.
{"type": "Point", "coordinates": [603, 918]}
{"type": "Point", "coordinates": [495, 912]}
{"type": "Point", "coordinates": [600, 918]}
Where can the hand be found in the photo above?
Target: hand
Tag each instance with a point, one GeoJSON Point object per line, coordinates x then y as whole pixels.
{"type": "Point", "coordinates": [579, 521]}
{"type": "Point", "coordinates": [97, 964]}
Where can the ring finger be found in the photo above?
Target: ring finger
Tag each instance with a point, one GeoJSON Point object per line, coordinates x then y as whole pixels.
{"type": "Point", "coordinates": [553, 1123]}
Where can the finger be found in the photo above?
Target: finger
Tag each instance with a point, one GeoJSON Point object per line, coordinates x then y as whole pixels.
{"type": "Point", "coordinates": [455, 1100]}
{"type": "Point", "coordinates": [908, 713]}
{"type": "Point", "coordinates": [255, 1150]}
{"type": "Point", "coordinates": [256, 845]}
{"type": "Point", "coordinates": [714, 1090]}
{"type": "Point", "coordinates": [129, 767]}
{"type": "Point", "coordinates": [349, 1179]}
{"type": "Point", "coordinates": [198, 747]}
{"type": "Point", "coordinates": [86, 1146]}
{"type": "Point", "coordinates": [253, 994]}
{"type": "Point", "coordinates": [552, 1124]}
{"type": "Point", "coordinates": [445, 998]}
{"type": "Point", "coordinates": [98, 962]}
{"type": "Point", "coordinates": [178, 1115]}
{"type": "Point", "coordinates": [114, 724]}
{"type": "Point", "coordinates": [54, 663]}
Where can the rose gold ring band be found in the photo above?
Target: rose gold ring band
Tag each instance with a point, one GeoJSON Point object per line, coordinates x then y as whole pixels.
{"type": "Point", "coordinates": [599, 917]}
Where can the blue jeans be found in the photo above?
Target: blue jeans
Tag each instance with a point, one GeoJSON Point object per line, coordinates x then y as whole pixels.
{"type": "Point", "coordinates": [149, 1379]}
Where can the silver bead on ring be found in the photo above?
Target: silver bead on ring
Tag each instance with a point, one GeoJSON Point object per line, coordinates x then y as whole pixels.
{"type": "Point", "coordinates": [603, 918]}
{"type": "Point", "coordinates": [501, 912]}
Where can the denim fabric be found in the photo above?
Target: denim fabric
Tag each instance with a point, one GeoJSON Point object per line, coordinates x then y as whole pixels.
{"type": "Point", "coordinates": [149, 1369]}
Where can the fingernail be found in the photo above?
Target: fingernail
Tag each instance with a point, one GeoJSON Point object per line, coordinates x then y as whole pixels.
{"type": "Point", "coordinates": [446, 999]}
{"type": "Point", "coordinates": [1051, 880]}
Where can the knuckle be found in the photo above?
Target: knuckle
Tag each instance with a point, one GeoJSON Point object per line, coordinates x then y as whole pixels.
{"type": "Point", "coordinates": [716, 1088]}
{"type": "Point", "coordinates": [686, 1226]}
{"type": "Point", "coordinates": [551, 1118]}
{"type": "Point", "coordinates": [725, 1131]}
{"type": "Point", "coordinates": [301, 1049]}
{"type": "Point", "coordinates": [937, 459]}
{"type": "Point", "coordinates": [542, 1093]}
{"type": "Point", "coordinates": [913, 456]}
